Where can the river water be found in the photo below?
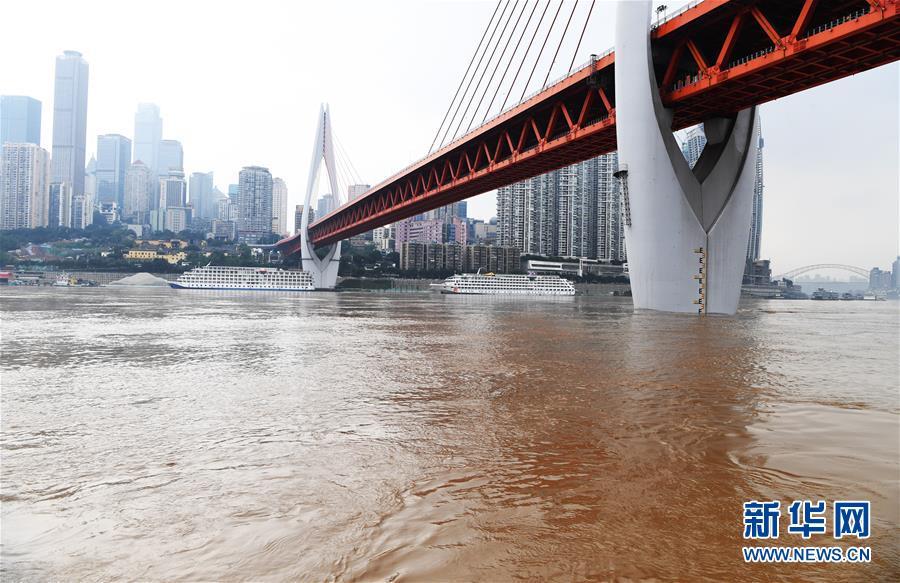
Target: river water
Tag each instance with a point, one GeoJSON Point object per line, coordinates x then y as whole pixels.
{"type": "Point", "coordinates": [151, 434]}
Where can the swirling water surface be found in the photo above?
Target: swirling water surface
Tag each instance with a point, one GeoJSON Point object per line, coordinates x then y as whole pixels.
{"type": "Point", "coordinates": [154, 434]}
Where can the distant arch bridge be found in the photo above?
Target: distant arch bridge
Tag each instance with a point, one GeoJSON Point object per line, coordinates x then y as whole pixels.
{"type": "Point", "coordinates": [807, 268]}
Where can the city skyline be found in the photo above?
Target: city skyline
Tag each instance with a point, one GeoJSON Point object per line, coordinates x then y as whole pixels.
{"type": "Point", "coordinates": [811, 189]}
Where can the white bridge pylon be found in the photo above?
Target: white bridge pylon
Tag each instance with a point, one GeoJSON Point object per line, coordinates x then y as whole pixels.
{"type": "Point", "coordinates": [324, 270]}
{"type": "Point", "coordinates": [686, 229]}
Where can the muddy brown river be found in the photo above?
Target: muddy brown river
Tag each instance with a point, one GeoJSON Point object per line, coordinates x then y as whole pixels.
{"type": "Point", "coordinates": [152, 434]}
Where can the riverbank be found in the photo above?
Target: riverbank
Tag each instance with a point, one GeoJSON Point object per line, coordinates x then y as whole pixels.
{"type": "Point", "coordinates": [98, 277]}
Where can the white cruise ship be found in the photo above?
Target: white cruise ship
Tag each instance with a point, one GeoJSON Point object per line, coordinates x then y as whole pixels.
{"type": "Point", "coordinates": [525, 285]}
{"type": "Point", "coordinates": [244, 278]}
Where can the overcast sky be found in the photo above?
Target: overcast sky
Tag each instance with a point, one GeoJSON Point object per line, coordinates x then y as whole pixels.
{"type": "Point", "coordinates": [240, 84]}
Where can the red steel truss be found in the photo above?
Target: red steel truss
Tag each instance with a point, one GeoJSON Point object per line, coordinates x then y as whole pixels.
{"type": "Point", "coordinates": [714, 59]}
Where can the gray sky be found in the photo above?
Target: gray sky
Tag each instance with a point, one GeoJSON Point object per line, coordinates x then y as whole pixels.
{"type": "Point", "coordinates": [240, 84]}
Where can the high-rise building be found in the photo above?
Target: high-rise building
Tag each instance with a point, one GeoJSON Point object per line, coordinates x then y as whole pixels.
{"type": "Point", "coordinates": [61, 199]}
{"type": "Point", "coordinates": [753, 246]}
{"type": "Point", "coordinates": [326, 204]}
{"type": "Point", "coordinates": [355, 190]}
{"type": "Point", "coordinates": [279, 206]}
{"type": "Point", "coordinates": [24, 186]}
{"type": "Point", "coordinates": [147, 136]}
{"type": "Point", "coordinates": [693, 144]}
{"type": "Point", "coordinates": [139, 191]}
{"type": "Point", "coordinates": [895, 273]}
{"type": "Point", "coordinates": [172, 190]}
{"type": "Point", "coordinates": [880, 280]}
{"type": "Point", "coordinates": [226, 209]}
{"type": "Point", "coordinates": [203, 198]}
{"type": "Point", "coordinates": [54, 213]}
{"type": "Point", "coordinates": [70, 97]}
{"type": "Point", "coordinates": [177, 219]}
{"type": "Point", "coordinates": [514, 213]}
{"type": "Point", "coordinates": [76, 210]}
{"type": "Point", "coordinates": [90, 178]}
{"type": "Point", "coordinates": [610, 226]}
{"type": "Point", "coordinates": [254, 203]}
{"type": "Point", "coordinates": [419, 231]}
{"type": "Point", "coordinates": [171, 157]}
{"type": "Point", "coordinates": [113, 160]}
{"type": "Point", "coordinates": [298, 217]}
{"type": "Point", "coordinates": [383, 237]}
{"type": "Point", "coordinates": [574, 211]}
{"type": "Point", "coordinates": [20, 120]}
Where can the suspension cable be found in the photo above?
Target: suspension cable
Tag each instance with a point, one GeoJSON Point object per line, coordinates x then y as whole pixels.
{"type": "Point", "coordinates": [481, 78]}
{"type": "Point", "coordinates": [511, 59]}
{"type": "Point", "coordinates": [466, 74]}
{"type": "Point", "coordinates": [472, 78]}
{"type": "Point", "coordinates": [497, 66]}
{"type": "Point", "coordinates": [541, 52]}
{"type": "Point", "coordinates": [561, 39]}
{"type": "Point", "coordinates": [525, 55]}
{"type": "Point", "coordinates": [580, 38]}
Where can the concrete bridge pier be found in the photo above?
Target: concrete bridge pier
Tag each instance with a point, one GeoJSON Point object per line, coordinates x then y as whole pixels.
{"type": "Point", "coordinates": [324, 269]}
{"type": "Point", "coordinates": [686, 229]}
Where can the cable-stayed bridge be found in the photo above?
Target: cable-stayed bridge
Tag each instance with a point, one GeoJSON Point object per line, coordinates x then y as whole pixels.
{"type": "Point", "coordinates": [704, 64]}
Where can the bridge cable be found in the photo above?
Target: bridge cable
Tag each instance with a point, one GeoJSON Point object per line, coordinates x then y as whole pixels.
{"type": "Point", "coordinates": [509, 63]}
{"type": "Point", "coordinates": [472, 78]}
{"type": "Point", "coordinates": [480, 79]}
{"type": "Point", "coordinates": [541, 52]}
{"type": "Point", "coordinates": [561, 39]}
{"type": "Point", "coordinates": [356, 175]}
{"type": "Point", "coordinates": [466, 74]}
{"type": "Point", "coordinates": [494, 72]}
{"type": "Point", "coordinates": [525, 55]}
{"type": "Point", "coordinates": [580, 38]}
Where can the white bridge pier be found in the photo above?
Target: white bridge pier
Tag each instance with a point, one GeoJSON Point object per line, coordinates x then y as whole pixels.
{"type": "Point", "coordinates": [324, 269]}
{"type": "Point", "coordinates": [686, 229]}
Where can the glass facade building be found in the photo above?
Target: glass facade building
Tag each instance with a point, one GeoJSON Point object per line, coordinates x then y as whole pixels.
{"type": "Point", "coordinates": [20, 120]}
{"type": "Point", "coordinates": [70, 97]}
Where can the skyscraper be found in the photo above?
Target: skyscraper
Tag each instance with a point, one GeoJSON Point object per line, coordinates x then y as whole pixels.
{"type": "Point", "coordinates": [90, 178]}
{"type": "Point", "coordinates": [280, 206]}
{"type": "Point", "coordinates": [202, 194]}
{"type": "Point", "coordinates": [693, 145]}
{"type": "Point", "coordinates": [325, 205]}
{"type": "Point", "coordinates": [753, 246]}
{"type": "Point", "coordinates": [610, 225]}
{"type": "Point", "coordinates": [113, 160]}
{"type": "Point", "coordinates": [24, 186]}
{"type": "Point", "coordinates": [254, 203]}
{"type": "Point", "coordinates": [171, 157]}
{"type": "Point", "coordinates": [20, 120]}
{"type": "Point", "coordinates": [138, 192]}
{"type": "Point", "coordinates": [172, 190]}
{"type": "Point", "coordinates": [298, 217]}
{"type": "Point", "coordinates": [355, 190]}
{"type": "Point", "coordinates": [70, 98]}
{"type": "Point", "coordinates": [514, 214]}
{"type": "Point", "coordinates": [147, 135]}
{"type": "Point", "coordinates": [574, 211]}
